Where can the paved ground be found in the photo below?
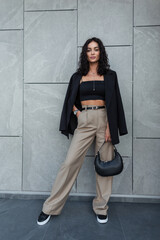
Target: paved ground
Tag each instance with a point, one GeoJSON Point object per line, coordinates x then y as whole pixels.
{"type": "Point", "coordinates": [127, 221]}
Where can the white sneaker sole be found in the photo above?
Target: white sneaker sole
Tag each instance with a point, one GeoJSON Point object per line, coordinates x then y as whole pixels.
{"type": "Point", "coordinates": [102, 220]}
{"type": "Point", "coordinates": [44, 222]}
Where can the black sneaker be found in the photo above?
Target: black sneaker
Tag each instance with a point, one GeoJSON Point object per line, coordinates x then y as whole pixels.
{"type": "Point", "coordinates": [102, 218]}
{"type": "Point", "coordinates": [43, 218]}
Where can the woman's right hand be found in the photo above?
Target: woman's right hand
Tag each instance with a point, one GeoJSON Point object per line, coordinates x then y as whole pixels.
{"type": "Point", "coordinates": [78, 113]}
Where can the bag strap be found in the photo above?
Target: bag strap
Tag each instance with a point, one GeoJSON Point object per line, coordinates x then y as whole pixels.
{"type": "Point", "coordinates": [103, 144]}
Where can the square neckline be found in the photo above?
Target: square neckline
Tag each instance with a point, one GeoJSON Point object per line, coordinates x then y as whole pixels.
{"type": "Point", "coordinates": [91, 81]}
{"type": "Point", "coordinates": [81, 81]}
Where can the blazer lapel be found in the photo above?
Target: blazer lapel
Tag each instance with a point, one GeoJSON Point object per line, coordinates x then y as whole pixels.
{"type": "Point", "coordinates": [109, 87]}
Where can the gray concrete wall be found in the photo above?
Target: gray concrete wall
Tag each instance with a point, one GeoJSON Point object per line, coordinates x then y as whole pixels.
{"type": "Point", "coordinates": [40, 42]}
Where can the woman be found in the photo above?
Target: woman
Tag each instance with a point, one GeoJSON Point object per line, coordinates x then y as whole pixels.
{"type": "Point", "coordinates": [92, 109]}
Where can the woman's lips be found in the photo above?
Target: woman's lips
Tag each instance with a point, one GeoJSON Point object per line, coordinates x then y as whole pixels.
{"type": "Point", "coordinates": [92, 57]}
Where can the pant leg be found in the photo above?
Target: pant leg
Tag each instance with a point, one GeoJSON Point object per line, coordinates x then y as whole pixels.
{"type": "Point", "coordinates": [69, 170]}
{"type": "Point", "coordinates": [103, 184]}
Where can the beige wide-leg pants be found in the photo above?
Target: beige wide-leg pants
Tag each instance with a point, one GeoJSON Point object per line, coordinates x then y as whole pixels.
{"type": "Point", "coordinates": [92, 124]}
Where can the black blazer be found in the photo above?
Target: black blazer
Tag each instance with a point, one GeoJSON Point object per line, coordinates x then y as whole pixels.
{"type": "Point", "coordinates": [114, 106]}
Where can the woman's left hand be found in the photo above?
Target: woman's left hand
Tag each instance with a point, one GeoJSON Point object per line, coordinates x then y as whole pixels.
{"type": "Point", "coordinates": [107, 135]}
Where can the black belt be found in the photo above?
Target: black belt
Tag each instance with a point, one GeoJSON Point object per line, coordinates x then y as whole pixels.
{"type": "Point", "coordinates": [94, 107]}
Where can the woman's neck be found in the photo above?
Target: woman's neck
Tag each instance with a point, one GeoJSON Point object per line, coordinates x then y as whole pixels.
{"type": "Point", "coordinates": [93, 68]}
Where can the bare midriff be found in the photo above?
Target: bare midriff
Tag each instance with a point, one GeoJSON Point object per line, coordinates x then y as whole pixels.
{"type": "Point", "coordinates": [93, 102]}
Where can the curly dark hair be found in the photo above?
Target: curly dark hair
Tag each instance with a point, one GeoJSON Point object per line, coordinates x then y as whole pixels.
{"type": "Point", "coordinates": [103, 63]}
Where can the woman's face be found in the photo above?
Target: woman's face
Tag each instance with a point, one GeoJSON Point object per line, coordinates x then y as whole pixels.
{"type": "Point", "coordinates": [93, 52]}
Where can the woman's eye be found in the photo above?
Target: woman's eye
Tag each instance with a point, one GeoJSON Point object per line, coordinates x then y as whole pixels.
{"type": "Point", "coordinates": [88, 50]}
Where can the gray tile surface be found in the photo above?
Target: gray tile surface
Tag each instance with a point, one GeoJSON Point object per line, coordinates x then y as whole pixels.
{"type": "Point", "coordinates": [108, 20]}
{"type": "Point", "coordinates": [50, 5]}
{"type": "Point", "coordinates": [146, 82]}
{"type": "Point", "coordinates": [11, 14]}
{"type": "Point", "coordinates": [122, 183]}
{"type": "Point", "coordinates": [50, 51]}
{"type": "Point", "coordinates": [10, 163]}
{"type": "Point", "coordinates": [146, 166]}
{"type": "Point", "coordinates": [146, 12]}
{"type": "Point", "coordinates": [77, 221]}
{"type": "Point", "coordinates": [11, 77]}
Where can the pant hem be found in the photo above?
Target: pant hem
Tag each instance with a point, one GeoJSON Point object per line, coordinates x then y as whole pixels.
{"type": "Point", "coordinates": [50, 212]}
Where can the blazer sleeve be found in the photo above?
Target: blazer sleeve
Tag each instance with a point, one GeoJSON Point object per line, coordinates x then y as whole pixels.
{"type": "Point", "coordinates": [121, 115]}
{"type": "Point", "coordinates": [63, 120]}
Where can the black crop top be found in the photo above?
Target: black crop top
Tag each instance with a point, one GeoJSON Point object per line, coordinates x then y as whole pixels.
{"type": "Point", "coordinates": [91, 90]}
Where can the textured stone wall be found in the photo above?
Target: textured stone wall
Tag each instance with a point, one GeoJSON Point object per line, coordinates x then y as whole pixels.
{"type": "Point", "coordinates": [40, 42]}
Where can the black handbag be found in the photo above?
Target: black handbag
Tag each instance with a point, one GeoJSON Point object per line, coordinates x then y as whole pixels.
{"type": "Point", "coordinates": [109, 168]}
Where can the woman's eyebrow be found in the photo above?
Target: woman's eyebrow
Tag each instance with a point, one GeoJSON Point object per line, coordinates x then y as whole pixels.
{"type": "Point", "coordinates": [90, 48]}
